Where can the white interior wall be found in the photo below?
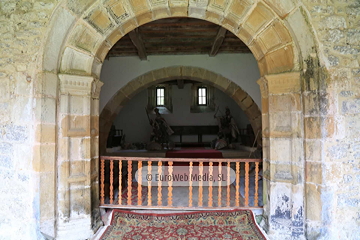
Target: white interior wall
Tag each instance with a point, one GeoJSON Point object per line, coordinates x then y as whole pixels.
{"type": "Point", "coordinates": [242, 69]}
{"type": "Point", "coordinates": [133, 120]}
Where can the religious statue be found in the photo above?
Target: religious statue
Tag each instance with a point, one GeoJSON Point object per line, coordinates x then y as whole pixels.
{"type": "Point", "coordinates": [161, 131]}
{"type": "Point", "coordinates": [228, 129]}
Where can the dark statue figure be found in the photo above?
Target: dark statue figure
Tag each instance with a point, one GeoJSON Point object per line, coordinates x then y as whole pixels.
{"type": "Point", "coordinates": [161, 131]}
{"type": "Point", "coordinates": [228, 130]}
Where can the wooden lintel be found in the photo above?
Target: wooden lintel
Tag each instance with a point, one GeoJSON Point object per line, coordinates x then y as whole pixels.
{"type": "Point", "coordinates": [138, 43]}
{"type": "Point", "coordinates": [180, 83]}
{"type": "Point", "coordinates": [218, 41]}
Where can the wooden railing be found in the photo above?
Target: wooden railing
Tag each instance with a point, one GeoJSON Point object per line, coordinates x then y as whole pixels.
{"type": "Point", "coordinates": [118, 188]}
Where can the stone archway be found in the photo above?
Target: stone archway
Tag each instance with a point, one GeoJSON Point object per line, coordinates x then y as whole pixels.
{"type": "Point", "coordinates": [77, 43]}
{"type": "Point", "coordinates": [122, 96]}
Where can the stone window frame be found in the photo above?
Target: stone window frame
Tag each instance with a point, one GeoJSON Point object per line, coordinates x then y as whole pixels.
{"type": "Point", "coordinates": [167, 108]}
{"type": "Point", "coordinates": [195, 107]}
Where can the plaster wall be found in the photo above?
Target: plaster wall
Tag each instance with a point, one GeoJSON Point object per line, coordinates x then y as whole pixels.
{"type": "Point", "coordinates": [133, 120]}
{"type": "Point", "coordinates": [242, 69]}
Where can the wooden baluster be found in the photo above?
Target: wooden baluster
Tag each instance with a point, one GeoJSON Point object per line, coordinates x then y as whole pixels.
{"type": "Point", "coordinates": [200, 202]}
{"type": "Point", "coordinates": [228, 185]}
{"type": "Point", "coordinates": [246, 184]}
{"type": "Point", "coordinates": [190, 184]}
{"type": "Point", "coordinates": [159, 202]}
{"type": "Point", "coordinates": [149, 184]}
{"type": "Point", "coordinates": [219, 189]}
{"type": "Point", "coordinates": [256, 200]}
{"type": "Point", "coordinates": [139, 183]}
{"type": "Point", "coordinates": [111, 181]}
{"type": "Point", "coordinates": [129, 182]}
{"type": "Point", "coordinates": [120, 182]}
{"type": "Point", "coordinates": [210, 202]}
{"type": "Point", "coordinates": [170, 184]}
{"type": "Point", "coordinates": [237, 197]}
{"type": "Point", "coordinates": [102, 181]}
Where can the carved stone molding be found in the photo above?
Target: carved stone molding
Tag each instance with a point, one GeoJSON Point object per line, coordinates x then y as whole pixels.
{"type": "Point", "coordinates": [284, 83]}
{"type": "Point", "coordinates": [263, 83]}
{"type": "Point", "coordinates": [96, 87]}
{"type": "Point", "coordinates": [75, 85]}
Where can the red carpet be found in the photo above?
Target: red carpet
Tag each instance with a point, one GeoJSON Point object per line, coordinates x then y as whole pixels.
{"type": "Point", "coordinates": [194, 153]}
{"type": "Point", "coordinates": [231, 224]}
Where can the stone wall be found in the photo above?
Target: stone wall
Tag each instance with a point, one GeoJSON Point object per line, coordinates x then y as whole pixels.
{"type": "Point", "coordinates": [23, 25]}
{"type": "Point", "coordinates": [332, 108]}
{"type": "Point", "coordinates": [330, 84]}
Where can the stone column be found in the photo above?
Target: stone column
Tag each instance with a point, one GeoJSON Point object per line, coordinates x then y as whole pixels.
{"type": "Point", "coordinates": [77, 156]}
{"type": "Point", "coordinates": [283, 161]}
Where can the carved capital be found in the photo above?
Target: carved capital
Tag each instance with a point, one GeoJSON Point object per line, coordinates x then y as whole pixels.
{"type": "Point", "coordinates": [75, 85]}
{"type": "Point", "coordinates": [96, 87]}
{"type": "Point", "coordinates": [284, 83]}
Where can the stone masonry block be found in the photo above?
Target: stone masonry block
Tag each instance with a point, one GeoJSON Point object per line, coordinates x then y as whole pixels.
{"type": "Point", "coordinates": [265, 105]}
{"type": "Point", "coordinates": [174, 71]}
{"type": "Point", "coordinates": [253, 112]}
{"type": "Point", "coordinates": [103, 51]}
{"type": "Point", "coordinates": [280, 154]}
{"type": "Point", "coordinates": [100, 20]}
{"type": "Point", "coordinates": [144, 18]}
{"type": "Point", "coordinates": [114, 37]}
{"type": "Point", "coordinates": [79, 6]}
{"type": "Point", "coordinates": [274, 36]}
{"type": "Point", "coordinates": [45, 133]}
{"type": "Point", "coordinates": [232, 88]}
{"type": "Point", "coordinates": [256, 49]}
{"type": "Point", "coordinates": [221, 82]}
{"type": "Point", "coordinates": [280, 124]}
{"type": "Point", "coordinates": [140, 7]}
{"type": "Point", "coordinates": [258, 19]}
{"type": "Point", "coordinates": [314, 172]}
{"type": "Point", "coordinates": [287, 102]}
{"type": "Point", "coordinates": [284, 83]}
{"type": "Point", "coordinates": [313, 202]}
{"type": "Point", "coordinates": [311, 103]}
{"type": "Point", "coordinates": [46, 84]}
{"type": "Point", "coordinates": [300, 30]}
{"type": "Point", "coordinates": [63, 20]}
{"type": "Point", "coordinates": [313, 150]}
{"type": "Point", "coordinates": [239, 95]}
{"type": "Point", "coordinates": [120, 11]}
{"type": "Point", "coordinates": [312, 127]}
{"type": "Point", "coordinates": [236, 12]}
{"type": "Point", "coordinates": [46, 157]}
{"type": "Point", "coordinates": [75, 126]}
{"type": "Point", "coordinates": [76, 62]}
{"type": "Point", "coordinates": [214, 17]}
{"type": "Point", "coordinates": [197, 9]}
{"type": "Point", "coordinates": [281, 60]}
{"type": "Point", "coordinates": [179, 7]}
{"type": "Point", "coordinates": [281, 7]}
{"type": "Point", "coordinates": [85, 38]}
{"type": "Point", "coordinates": [246, 103]}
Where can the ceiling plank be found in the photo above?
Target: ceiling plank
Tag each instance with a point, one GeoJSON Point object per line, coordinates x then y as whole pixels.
{"type": "Point", "coordinates": [138, 43]}
{"type": "Point", "coordinates": [218, 41]}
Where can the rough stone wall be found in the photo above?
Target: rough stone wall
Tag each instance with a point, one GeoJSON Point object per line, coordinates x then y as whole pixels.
{"type": "Point", "coordinates": [332, 107]}
{"type": "Point", "coordinates": [331, 116]}
{"type": "Point", "coordinates": [23, 25]}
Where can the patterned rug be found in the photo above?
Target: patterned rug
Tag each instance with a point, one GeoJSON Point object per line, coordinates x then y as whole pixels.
{"type": "Point", "coordinates": [211, 225]}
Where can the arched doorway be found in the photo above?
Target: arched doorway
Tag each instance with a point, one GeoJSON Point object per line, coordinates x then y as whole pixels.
{"type": "Point", "coordinates": [77, 44]}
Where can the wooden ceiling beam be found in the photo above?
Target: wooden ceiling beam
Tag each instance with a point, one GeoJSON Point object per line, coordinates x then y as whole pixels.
{"type": "Point", "coordinates": [218, 41]}
{"type": "Point", "coordinates": [138, 43]}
